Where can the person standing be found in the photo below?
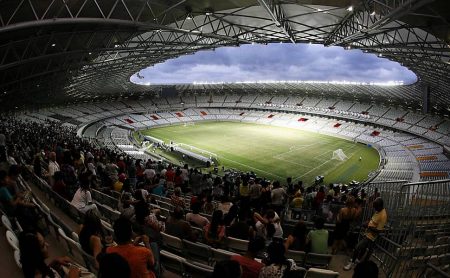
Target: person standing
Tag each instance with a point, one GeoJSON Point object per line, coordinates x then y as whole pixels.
{"type": "Point", "coordinates": [374, 228]}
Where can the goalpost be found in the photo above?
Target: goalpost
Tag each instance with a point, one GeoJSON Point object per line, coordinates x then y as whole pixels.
{"type": "Point", "coordinates": [339, 155]}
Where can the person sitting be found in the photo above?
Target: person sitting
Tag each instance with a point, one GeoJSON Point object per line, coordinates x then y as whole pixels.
{"type": "Point", "coordinates": [91, 235]}
{"type": "Point", "coordinates": [318, 238]}
{"type": "Point", "coordinates": [82, 199]}
{"type": "Point", "coordinates": [195, 218]}
{"type": "Point", "coordinates": [139, 258]}
{"type": "Point", "coordinates": [177, 227]}
{"type": "Point", "coordinates": [215, 231]}
{"type": "Point", "coordinates": [231, 216]}
{"type": "Point", "coordinates": [118, 185]}
{"type": "Point", "coordinates": [59, 186]}
{"type": "Point", "coordinates": [159, 188]}
{"type": "Point", "coordinates": [251, 267]}
{"type": "Point", "coordinates": [208, 206]}
{"type": "Point", "coordinates": [33, 253]}
{"type": "Point", "coordinates": [146, 220]}
{"type": "Point", "coordinates": [276, 263]}
{"type": "Point", "coordinates": [297, 240]}
{"type": "Point", "coordinates": [176, 199]}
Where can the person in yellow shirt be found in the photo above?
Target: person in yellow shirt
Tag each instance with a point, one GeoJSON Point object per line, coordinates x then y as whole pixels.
{"type": "Point", "coordinates": [374, 228]}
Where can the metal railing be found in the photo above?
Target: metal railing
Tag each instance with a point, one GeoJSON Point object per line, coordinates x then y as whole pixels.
{"type": "Point", "coordinates": [418, 228]}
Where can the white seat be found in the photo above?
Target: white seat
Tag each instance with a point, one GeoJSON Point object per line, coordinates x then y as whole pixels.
{"type": "Point", "coordinates": [238, 245]}
{"type": "Point", "coordinates": [17, 258]}
{"type": "Point", "coordinates": [7, 223]}
{"type": "Point", "coordinates": [196, 270]}
{"type": "Point", "coordinates": [12, 240]}
{"type": "Point", "coordinates": [173, 243]}
{"type": "Point", "coordinates": [172, 261]}
{"type": "Point", "coordinates": [221, 255]}
{"type": "Point", "coordinates": [321, 273]}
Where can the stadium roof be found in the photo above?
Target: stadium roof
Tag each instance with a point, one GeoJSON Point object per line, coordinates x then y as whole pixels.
{"type": "Point", "coordinates": [60, 51]}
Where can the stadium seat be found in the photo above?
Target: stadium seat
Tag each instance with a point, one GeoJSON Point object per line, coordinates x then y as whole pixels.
{"type": "Point", "coordinates": [12, 240]}
{"type": "Point", "coordinates": [298, 256]}
{"type": "Point", "coordinates": [172, 262]}
{"type": "Point", "coordinates": [238, 245]}
{"type": "Point", "coordinates": [197, 251]}
{"type": "Point", "coordinates": [221, 255]}
{"type": "Point", "coordinates": [318, 260]}
{"type": "Point", "coordinates": [172, 243]}
{"type": "Point", "coordinates": [72, 246]}
{"type": "Point", "coordinates": [17, 258]}
{"type": "Point", "coordinates": [111, 215]}
{"type": "Point", "coordinates": [321, 273]}
{"type": "Point", "coordinates": [7, 223]}
{"type": "Point", "coordinates": [196, 270]}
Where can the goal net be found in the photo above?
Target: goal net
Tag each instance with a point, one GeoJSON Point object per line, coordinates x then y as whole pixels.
{"type": "Point", "coordinates": [339, 155]}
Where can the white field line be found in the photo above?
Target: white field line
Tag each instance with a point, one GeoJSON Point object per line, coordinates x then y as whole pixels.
{"type": "Point", "coordinates": [295, 148]}
{"type": "Point", "coordinates": [304, 174]}
{"type": "Point", "coordinates": [299, 164]}
{"type": "Point", "coordinates": [242, 164]}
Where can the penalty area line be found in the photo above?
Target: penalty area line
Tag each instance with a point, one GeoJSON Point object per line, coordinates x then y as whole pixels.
{"type": "Point", "coordinates": [242, 164]}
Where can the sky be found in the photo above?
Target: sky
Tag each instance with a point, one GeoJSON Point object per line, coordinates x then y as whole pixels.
{"type": "Point", "coordinates": [276, 62]}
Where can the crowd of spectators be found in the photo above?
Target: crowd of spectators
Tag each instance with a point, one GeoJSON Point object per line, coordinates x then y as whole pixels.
{"type": "Point", "coordinates": [240, 205]}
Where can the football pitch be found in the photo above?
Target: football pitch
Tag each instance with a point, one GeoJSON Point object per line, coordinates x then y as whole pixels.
{"type": "Point", "coordinates": [275, 152]}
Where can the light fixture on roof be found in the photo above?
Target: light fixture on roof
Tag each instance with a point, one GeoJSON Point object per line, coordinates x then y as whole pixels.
{"type": "Point", "coordinates": [188, 10]}
{"type": "Point", "coordinates": [350, 9]}
{"type": "Point", "coordinates": [209, 11]}
{"type": "Point", "coordinates": [53, 44]}
{"type": "Point", "coordinates": [90, 53]}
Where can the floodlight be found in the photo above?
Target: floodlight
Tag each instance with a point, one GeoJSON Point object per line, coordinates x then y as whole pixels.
{"type": "Point", "coordinates": [373, 13]}
{"type": "Point", "coordinates": [53, 44]}
{"type": "Point", "coordinates": [350, 9]}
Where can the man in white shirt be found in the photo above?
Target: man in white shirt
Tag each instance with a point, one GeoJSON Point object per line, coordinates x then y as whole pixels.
{"type": "Point", "coordinates": [149, 173]}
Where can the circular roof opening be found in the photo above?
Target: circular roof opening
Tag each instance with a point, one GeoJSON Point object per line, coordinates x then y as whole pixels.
{"type": "Point", "coordinates": [277, 62]}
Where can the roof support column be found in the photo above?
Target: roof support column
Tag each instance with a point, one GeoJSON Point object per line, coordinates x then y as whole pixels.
{"type": "Point", "coordinates": [426, 93]}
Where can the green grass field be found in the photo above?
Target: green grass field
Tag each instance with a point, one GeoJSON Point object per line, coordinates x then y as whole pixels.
{"type": "Point", "coordinates": [275, 152]}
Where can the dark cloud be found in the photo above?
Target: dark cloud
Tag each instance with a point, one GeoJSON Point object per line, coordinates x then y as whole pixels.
{"type": "Point", "coordinates": [276, 62]}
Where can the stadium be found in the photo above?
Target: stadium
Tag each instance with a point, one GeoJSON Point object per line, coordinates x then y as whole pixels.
{"type": "Point", "coordinates": [90, 160]}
